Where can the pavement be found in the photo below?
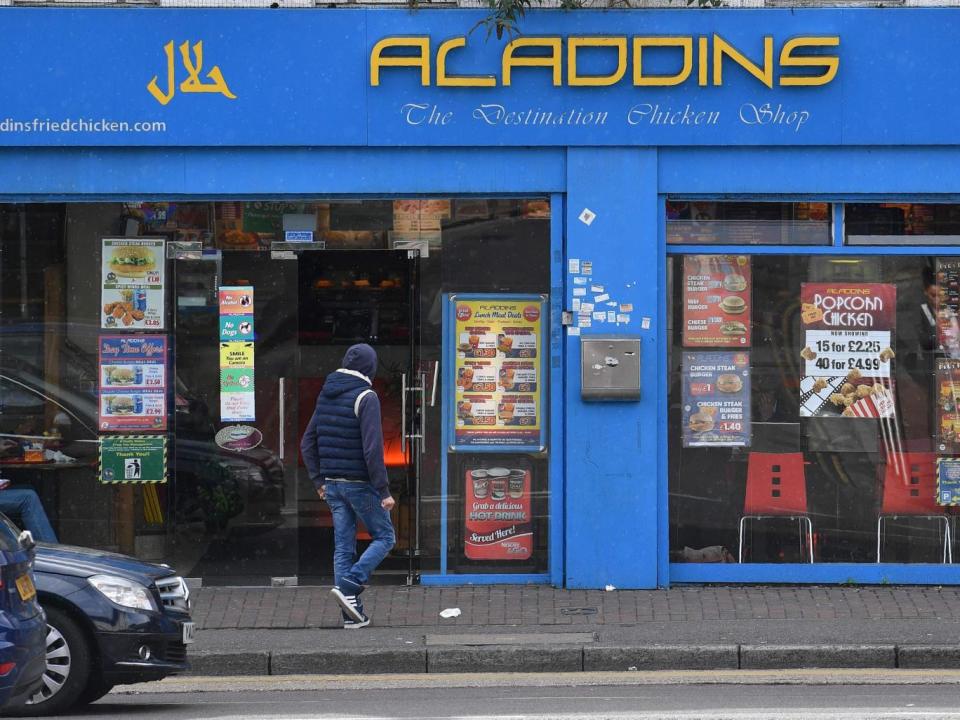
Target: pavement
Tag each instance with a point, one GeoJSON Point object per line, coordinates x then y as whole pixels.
{"type": "Point", "coordinates": [296, 630]}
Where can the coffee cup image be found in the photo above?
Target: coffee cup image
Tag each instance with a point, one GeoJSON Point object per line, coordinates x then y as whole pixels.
{"type": "Point", "coordinates": [507, 378]}
{"type": "Point", "coordinates": [505, 411]}
{"type": "Point", "coordinates": [733, 304]}
{"type": "Point", "coordinates": [474, 341]}
{"type": "Point", "coordinates": [464, 409]}
{"type": "Point", "coordinates": [504, 343]}
{"type": "Point", "coordinates": [465, 378]}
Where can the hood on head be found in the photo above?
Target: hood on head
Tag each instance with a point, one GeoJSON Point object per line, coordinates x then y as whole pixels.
{"type": "Point", "coordinates": [362, 358]}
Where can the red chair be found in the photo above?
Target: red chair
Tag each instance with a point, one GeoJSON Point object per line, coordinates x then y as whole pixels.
{"type": "Point", "coordinates": [910, 490]}
{"type": "Point", "coordinates": [777, 489]}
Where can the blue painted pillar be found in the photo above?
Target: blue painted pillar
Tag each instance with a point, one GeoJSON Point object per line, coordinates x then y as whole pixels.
{"type": "Point", "coordinates": [612, 499]}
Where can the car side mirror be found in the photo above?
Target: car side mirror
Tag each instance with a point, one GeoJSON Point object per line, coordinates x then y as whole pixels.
{"type": "Point", "coordinates": [26, 540]}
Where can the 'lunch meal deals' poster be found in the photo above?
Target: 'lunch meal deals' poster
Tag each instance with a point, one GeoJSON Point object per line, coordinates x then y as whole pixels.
{"type": "Point", "coordinates": [497, 522]}
{"type": "Point", "coordinates": [848, 352]}
{"type": "Point", "coordinates": [716, 399]}
{"type": "Point", "coordinates": [132, 284]}
{"type": "Point", "coordinates": [237, 396]}
{"type": "Point", "coordinates": [948, 406]}
{"type": "Point", "coordinates": [716, 301]}
{"type": "Point", "coordinates": [947, 306]}
{"type": "Point", "coordinates": [133, 382]}
{"type": "Point", "coordinates": [498, 371]}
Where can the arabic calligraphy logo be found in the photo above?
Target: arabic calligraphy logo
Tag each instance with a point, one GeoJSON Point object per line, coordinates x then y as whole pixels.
{"type": "Point", "coordinates": [193, 83]}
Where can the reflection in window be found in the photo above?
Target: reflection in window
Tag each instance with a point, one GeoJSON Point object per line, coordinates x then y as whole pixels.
{"type": "Point", "coordinates": [811, 398]}
{"type": "Point", "coordinates": [902, 223]}
{"type": "Point", "coordinates": [748, 223]}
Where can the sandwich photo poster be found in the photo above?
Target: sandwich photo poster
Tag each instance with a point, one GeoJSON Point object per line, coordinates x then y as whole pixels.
{"type": "Point", "coordinates": [716, 301]}
{"type": "Point", "coordinates": [716, 399]}
{"type": "Point", "coordinates": [132, 287]}
{"type": "Point", "coordinates": [848, 349]}
{"type": "Point", "coordinates": [498, 366]}
{"type": "Point", "coordinates": [133, 382]}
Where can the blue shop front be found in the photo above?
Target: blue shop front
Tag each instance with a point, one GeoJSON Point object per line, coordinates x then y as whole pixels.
{"type": "Point", "coordinates": [659, 297]}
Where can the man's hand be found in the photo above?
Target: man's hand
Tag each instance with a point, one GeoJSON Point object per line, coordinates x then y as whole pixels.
{"type": "Point", "coordinates": [322, 492]}
{"type": "Point", "coordinates": [387, 503]}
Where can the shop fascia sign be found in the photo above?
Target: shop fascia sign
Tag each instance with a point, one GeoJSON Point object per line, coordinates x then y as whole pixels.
{"type": "Point", "coordinates": [710, 54]}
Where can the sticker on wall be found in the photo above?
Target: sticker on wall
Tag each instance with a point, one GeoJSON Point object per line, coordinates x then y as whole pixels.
{"type": "Point", "coordinates": [133, 382]}
{"type": "Point", "coordinates": [587, 216]}
{"type": "Point", "coordinates": [133, 459]}
{"type": "Point", "coordinates": [132, 284]}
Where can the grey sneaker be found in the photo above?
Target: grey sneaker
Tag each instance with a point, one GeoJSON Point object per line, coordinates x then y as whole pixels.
{"type": "Point", "coordinates": [355, 625]}
{"type": "Point", "coordinates": [350, 605]}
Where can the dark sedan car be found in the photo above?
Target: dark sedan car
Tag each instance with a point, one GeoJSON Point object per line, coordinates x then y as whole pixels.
{"type": "Point", "coordinates": [112, 620]}
{"type": "Point", "coordinates": [22, 623]}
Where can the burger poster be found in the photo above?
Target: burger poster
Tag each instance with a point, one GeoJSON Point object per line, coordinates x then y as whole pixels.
{"type": "Point", "coordinates": [848, 349]}
{"type": "Point", "coordinates": [716, 301]}
{"type": "Point", "coordinates": [497, 522]}
{"type": "Point", "coordinates": [498, 363]}
{"type": "Point", "coordinates": [716, 399]}
{"type": "Point", "coordinates": [133, 382]}
{"type": "Point", "coordinates": [132, 291]}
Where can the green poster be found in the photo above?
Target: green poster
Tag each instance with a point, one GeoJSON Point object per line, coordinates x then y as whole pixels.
{"type": "Point", "coordinates": [133, 459]}
{"type": "Point", "coordinates": [236, 380]}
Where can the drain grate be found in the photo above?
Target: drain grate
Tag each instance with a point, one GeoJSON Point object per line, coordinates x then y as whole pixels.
{"type": "Point", "coordinates": [578, 611]}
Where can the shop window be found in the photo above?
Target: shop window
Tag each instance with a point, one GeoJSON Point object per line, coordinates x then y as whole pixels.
{"type": "Point", "coordinates": [748, 223]}
{"type": "Point", "coordinates": [813, 399]}
{"type": "Point", "coordinates": [902, 224]}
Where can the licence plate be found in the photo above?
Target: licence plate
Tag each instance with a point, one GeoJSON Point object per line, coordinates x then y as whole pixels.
{"type": "Point", "coordinates": [189, 633]}
{"type": "Point", "coordinates": [25, 588]}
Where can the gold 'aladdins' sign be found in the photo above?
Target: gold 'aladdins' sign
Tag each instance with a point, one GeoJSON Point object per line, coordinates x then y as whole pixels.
{"type": "Point", "coordinates": [711, 52]}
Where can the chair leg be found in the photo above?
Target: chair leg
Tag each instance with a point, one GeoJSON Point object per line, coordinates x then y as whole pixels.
{"type": "Point", "coordinates": [947, 544]}
{"type": "Point", "coordinates": [809, 536]}
{"type": "Point", "coordinates": [879, 525]}
{"type": "Point", "coordinates": [740, 551]}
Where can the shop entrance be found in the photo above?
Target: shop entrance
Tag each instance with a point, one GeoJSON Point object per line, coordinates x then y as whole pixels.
{"type": "Point", "coordinates": [256, 333]}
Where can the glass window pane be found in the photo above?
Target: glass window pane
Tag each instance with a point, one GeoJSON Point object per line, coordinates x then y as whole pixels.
{"type": "Point", "coordinates": [811, 396]}
{"type": "Point", "coordinates": [901, 224]}
{"type": "Point", "coordinates": [748, 223]}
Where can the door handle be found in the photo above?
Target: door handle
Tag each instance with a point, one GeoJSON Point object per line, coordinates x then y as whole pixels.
{"type": "Point", "coordinates": [282, 416]}
{"type": "Point", "coordinates": [403, 412]}
{"type": "Point", "coordinates": [423, 413]}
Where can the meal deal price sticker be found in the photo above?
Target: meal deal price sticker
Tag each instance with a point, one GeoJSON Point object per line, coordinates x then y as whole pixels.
{"type": "Point", "coordinates": [498, 360]}
{"type": "Point", "coordinates": [848, 349]}
{"type": "Point", "coordinates": [497, 522]}
{"type": "Point", "coordinates": [133, 382]}
{"type": "Point", "coordinates": [716, 399]}
{"type": "Point", "coordinates": [716, 301]}
{"type": "Point", "coordinates": [132, 284]}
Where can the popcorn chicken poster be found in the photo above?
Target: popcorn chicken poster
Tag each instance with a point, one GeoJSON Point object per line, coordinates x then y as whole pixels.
{"type": "Point", "coordinates": [848, 353]}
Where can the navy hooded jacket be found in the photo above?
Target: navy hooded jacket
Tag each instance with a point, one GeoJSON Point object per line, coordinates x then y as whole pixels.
{"type": "Point", "coordinates": [345, 438]}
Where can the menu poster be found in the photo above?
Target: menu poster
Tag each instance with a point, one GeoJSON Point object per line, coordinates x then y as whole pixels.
{"type": "Point", "coordinates": [497, 523]}
{"type": "Point", "coordinates": [948, 481]}
{"type": "Point", "coordinates": [237, 396]}
{"type": "Point", "coordinates": [848, 349]}
{"type": "Point", "coordinates": [132, 290]}
{"type": "Point", "coordinates": [133, 382]}
{"type": "Point", "coordinates": [419, 215]}
{"type": "Point", "coordinates": [948, 406]}
{"type": "Point", "coordinates": [947, 306]}
{"type": "Point", "coordinates": [716, 399]}
{"type": "Point", "coordinates": [716, 301]}
{"type": "Point", "coordinates": [497, 367]}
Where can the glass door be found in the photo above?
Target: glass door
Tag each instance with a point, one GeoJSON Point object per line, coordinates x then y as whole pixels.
{"type": "Point", "coordinates": [235, 460]}
{"type": "Point", "coordinates": [363, 296]}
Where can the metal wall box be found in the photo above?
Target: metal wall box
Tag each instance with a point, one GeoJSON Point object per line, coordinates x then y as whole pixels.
{"type": "Point", "coordinates": [610, 367]}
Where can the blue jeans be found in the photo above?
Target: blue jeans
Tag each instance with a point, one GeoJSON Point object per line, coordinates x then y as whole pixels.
{"type": "Point", "coordinates": [24, 503]}
{"type": "Point", "coordinates": [349, 501]}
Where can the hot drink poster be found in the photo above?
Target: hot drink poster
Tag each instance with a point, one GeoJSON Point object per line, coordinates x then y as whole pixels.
{"type": "Point", "coordinates": [132, 285]}
{"type": "Point", "coordinates": [716, 399]}
{"type": "Point", "coordinates": [498, 366]}
{"type": "Point", "coordinates": [848, 354]}
{"type": "Point", "coordinates": [716, 301]}
{"type": "Point", "coordinates": [498, 525]}
{"type": "Point", "coordinates": [133, 382]}
{"type": "Point", "coordinates": [948, 406]}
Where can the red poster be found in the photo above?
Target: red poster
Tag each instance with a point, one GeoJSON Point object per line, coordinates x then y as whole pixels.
{"type": "Point", "coordinates": [498, 524]}
{"type": "Point", "coordinates": [716, 301]}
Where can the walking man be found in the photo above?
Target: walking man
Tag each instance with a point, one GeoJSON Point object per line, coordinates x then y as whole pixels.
{"type": "Point", "coordinates": [343, 451]}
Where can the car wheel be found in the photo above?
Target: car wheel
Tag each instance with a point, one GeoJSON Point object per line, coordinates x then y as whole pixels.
{"type": "Point", "coordinates": [68, 667]}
